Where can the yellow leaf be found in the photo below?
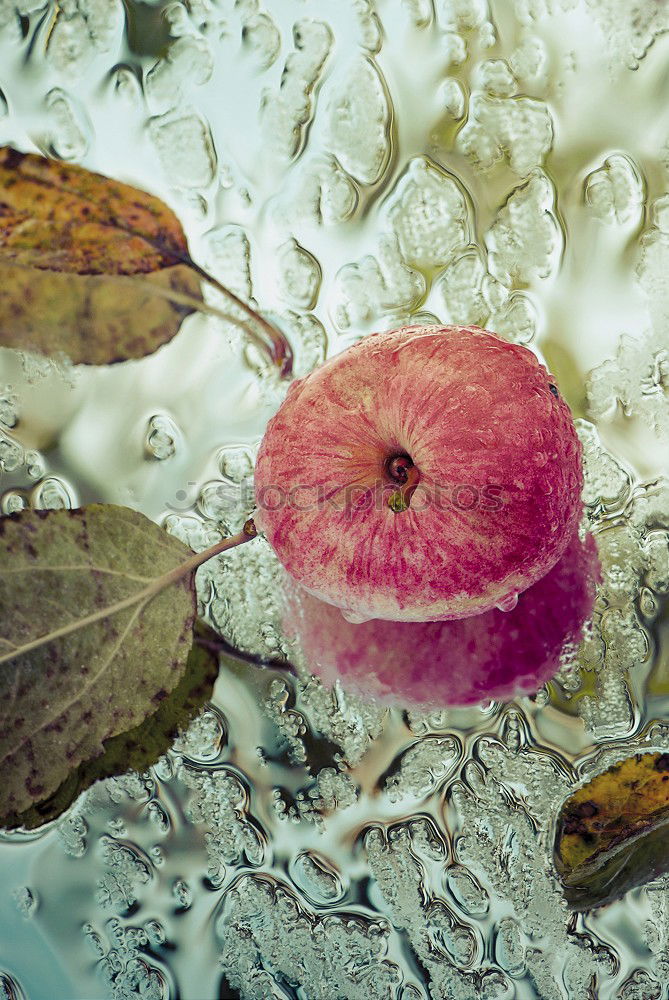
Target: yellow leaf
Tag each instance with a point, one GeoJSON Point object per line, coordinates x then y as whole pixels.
{"type": "Point", "coordinates": [98, 270]}
{"type": "Point", "coordinates": [611, 832]}
{"type": "Point", "coordinates": [58, 216]}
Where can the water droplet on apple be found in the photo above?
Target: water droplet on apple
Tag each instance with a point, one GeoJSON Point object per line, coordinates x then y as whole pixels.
{"type": "Point", "coordinates": [508, 603]}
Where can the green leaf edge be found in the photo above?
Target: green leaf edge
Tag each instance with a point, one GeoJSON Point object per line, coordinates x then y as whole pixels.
{"type": "Point", "coordinates": [140, 747]}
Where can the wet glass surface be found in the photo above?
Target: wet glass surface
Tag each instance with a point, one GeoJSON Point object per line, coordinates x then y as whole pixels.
{"type": "Point", "coordinates": [351, 166]}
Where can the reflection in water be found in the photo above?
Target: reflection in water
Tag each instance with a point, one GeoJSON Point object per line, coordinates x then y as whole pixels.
{"type": "Point", "coordinates": [499, 654]}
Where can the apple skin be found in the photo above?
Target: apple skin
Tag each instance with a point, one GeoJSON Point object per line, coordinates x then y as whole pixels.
{"type": "Point", "coordinates": [498, 654]}
{"type": "Point", "coordinates": [498, 461]}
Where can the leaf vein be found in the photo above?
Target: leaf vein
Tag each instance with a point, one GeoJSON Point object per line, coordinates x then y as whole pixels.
{"type": "Point", "coordinates": [62, 709]}
{"type": "Point", "coordinates": [84, 567]}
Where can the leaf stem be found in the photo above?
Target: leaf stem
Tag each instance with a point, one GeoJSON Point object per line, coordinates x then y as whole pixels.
{"type": "Point", "coordinates": [248, 532]}
{"type": "Point", "coordinates": [141, 597]}
{"type": "Point", "coordinates": [272, 339]}
{"type": "Point", "coordinates": [220, 645]}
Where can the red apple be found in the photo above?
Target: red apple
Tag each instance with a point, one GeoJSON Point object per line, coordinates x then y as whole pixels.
{"type": "Point", "coordinates": [424, 474]}
{"type": "Point", "coordinates": [494, 655]}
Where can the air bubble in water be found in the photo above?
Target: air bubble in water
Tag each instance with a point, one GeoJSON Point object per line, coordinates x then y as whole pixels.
{"type": "Point", "coordinates": [9, 988]}
{"type": "Point", "coordinates": [9, 414]}
{"type": "Point", "coordinates": [34, 464]}
{"type": "Point", "coordinates": [161, 437]}
{"type": "Point", "coordinates": [358, 120]}
{"type": "Point", "coordinates": [11, 453]}
{"type": "Point", "coordinates": [615, 192]}
{"type": "Point", "coordinates": [182, 893]}
{"type": "Point", "coordinates": [299, 276]}
{"type": "Point", "coordinates": [13, 502]}
{"type": "Point", "coordinates": [52, 494]}
{"type": "Point", "coordinates": [185, 149]}
{"type": "Point", "coordinates": [26, 901]}
{"type": "Point", "coordinates": [155, 932]}
{"type": "Point", "coordinates": [68, 137]}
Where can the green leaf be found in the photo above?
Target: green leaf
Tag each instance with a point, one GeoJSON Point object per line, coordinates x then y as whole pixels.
{"type": "Point", "coordinates": [96, 611]}
{"type": "Point", "coordinates": [98, 270]}
{"type": "Point", "coordinates": [140, 747]}
{"type": "Point", "coordinates": [97, 607]}
{"type": "Point", "coordinates": [613, 833]}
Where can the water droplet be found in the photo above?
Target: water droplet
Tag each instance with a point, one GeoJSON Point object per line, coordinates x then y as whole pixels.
{"type": "Point", "coordinates": [9, 988]}
{"type": "Point", "coordinates": [155, 933]}
{"type": "Point", "coordinates": [11, 453]}
{"type": "Point", "coordinates": [94, 940]}
{"type": "Point", "coordinates": [117, 826]}
{"type": "Point", "coordinates": [615, 193]}
{"type": "Point", "coordinates": [185, 148]}
{"type": "Point", "coordinates": [157, 855]}
{"type": "Point", "coordinates": [69, 135]}
{"type": "Point", "coordinates": [187, 63]}
{"type": "Point", "coordinates": [159, 816]}
{"type": "Point", "coordinates": [299, 276]}
{"type": "Point", "coordinates": [224, 502]}
{"type": "Point", "coordinates": [359, 118]}
{"type": "Point", "coordinates": [354, 617]}
{"type": "Point", "coordinates": [430, 214]}
{"type": "Point", "coordinates": [235, 464]}
{"type": "Point", "coordinates": [508, 603]}
{"type": "Point", "coordinates": [647, 603]}
{"type": "Point", "coordinates": [34, 464]}
{"type": "Point", "coordinates": [454, 98]}
{"type": "Point", "coordinates": [8, 407]}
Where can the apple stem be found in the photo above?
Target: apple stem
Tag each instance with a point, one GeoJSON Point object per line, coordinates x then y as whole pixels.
{"type": "Point", "coordinates": [402, 470]}
{"type": "Point", "coordinates": [266, 334]}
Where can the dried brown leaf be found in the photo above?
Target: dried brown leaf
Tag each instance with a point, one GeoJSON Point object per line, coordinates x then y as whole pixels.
{"type": "Point", "coordinates": [612, 833]}
{"type": "Point", "coordinates": [98, 270]}
{"type": "Point", "coordinates": [89, 267]}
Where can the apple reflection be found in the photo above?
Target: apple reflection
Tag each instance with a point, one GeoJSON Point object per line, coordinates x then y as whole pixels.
{"type": "Point", "coordinates": [497, 654]}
